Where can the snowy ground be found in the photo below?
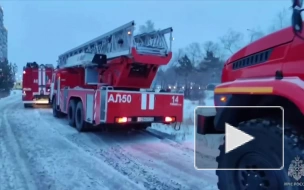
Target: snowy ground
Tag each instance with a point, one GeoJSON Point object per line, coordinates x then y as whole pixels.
{"type": "Point", "coordinates": [38, 152]}
{"type": "Point", "coordinates": [207, 145]}
{"type": "Point", "coordinates": [186, 132]}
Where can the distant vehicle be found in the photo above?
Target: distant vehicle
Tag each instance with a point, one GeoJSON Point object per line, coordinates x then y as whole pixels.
{"type": "Point", "coordinates": [36, 84]}
{"type": "Point", "coordinates": [18, 85]}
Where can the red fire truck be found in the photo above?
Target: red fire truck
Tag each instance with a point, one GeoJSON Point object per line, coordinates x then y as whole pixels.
{"type": "Point", "coordinates": [105, 81]}
{"type": "Point", "coordinates": [36, 83]}
{"type": "Point", "coordinates": [265, 73]}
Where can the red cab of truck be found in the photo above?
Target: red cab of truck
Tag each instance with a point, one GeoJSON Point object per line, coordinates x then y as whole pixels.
{"type": "Point", "coordinates": [36, 83]}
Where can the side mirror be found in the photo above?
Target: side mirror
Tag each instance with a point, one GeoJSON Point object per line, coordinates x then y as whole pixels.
{"type": "Point", "coordinates": [297, 22]}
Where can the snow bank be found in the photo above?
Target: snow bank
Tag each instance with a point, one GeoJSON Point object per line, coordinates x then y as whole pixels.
{"type": "Point", "coordinates": [189, 107]}
{"type": "Point", "coordinates": [186, 128]}
{"type": "Point", "coordinates": [15, 92]}
{"type": "Point", "coordinates": [209, 99]}
{"type": "Point", "coordinates": [186, 132]}
{"type": "Point", "coordinates": [11, 94]}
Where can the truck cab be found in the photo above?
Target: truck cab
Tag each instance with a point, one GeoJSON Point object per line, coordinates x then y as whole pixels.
{"type": "Point", "coordinates": [260, 96]}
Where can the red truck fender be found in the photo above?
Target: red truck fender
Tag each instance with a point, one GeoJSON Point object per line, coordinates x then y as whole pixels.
{"type": "Point", "coordinates": [291, 88]}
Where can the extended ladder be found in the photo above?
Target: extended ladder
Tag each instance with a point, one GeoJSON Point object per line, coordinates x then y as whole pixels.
{"type": "Point", "coordinates": [118, 42]}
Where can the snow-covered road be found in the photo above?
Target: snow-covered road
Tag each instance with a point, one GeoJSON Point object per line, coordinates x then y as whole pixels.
{"type": "Point", "coordinates": [38, 152]}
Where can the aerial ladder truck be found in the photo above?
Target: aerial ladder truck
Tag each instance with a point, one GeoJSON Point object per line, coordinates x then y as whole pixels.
{"type": "Point", "coordinates": [104, 82]}
{"type": "Point", "coordinates": [36, 82]}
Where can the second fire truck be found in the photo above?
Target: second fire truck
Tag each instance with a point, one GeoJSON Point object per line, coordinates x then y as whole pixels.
{"type": "Point", "coordinates": [36, 83]}
{"type": "Point", "coordinates": [104, 82]}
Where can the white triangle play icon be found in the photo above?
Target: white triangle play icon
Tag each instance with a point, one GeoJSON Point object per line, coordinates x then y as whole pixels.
{"type": "Point", "coordinates": [235, 138]}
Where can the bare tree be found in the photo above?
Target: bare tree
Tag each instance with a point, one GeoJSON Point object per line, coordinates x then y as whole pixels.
{"type": "Point", "coordinates": [147, 27]}
{"type": "Point", "coordinates": [214, 47]}
{"type": "Point", "coordinates": [282, 17]}
{"type": "Point", "coordinates": [281, 20]}
{"type": "Point", "coordinates": [231, 40]}
{"type": "Point", "coordinates": [177, 56]}
{"type": "Point", "coordinates": [185, 69]}
{"type": "Point", "coordinates": [211, 46]}
{"type": "Point", "coordinates": [255, 34]}
{"type": "Point", "coordinates": [180, 53]}
{"type": "Point", "coordinates": [160, 78]}
{"type": "Point", "coordinates": [194, 52]}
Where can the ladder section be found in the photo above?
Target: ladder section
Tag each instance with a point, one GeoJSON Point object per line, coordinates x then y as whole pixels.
{"type": "Point", "coordinates": [154, 43]}
{"type": "Point", "coordinates": [85, 60]}
{"type": "Point", "coordinates": [119, 42]}
{"type": "Point", "coordinates": [115, 43]}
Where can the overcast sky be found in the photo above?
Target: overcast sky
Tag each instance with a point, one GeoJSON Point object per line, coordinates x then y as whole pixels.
{"type": "Point", "coordinates": [41, 30]}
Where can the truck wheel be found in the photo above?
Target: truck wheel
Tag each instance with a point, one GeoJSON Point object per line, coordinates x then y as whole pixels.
{"type": "Point", "coordinates": [265, 156]}
{"type": "Point", "coordinates": [56, 113]}
{"type": "Point", "coordinates": [81, 124]}
{"type": "Point", "coordinates": [71, 112]}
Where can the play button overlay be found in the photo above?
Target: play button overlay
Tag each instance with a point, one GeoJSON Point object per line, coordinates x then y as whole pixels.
{"type": "Point", "coordinates": [231, 141]}
{"type": "Point", "coordinates": [239, 138]}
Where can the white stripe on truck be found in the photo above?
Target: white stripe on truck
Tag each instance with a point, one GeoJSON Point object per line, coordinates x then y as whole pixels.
{"type": "Point", "coordinates": [144, 101]}
{"type": "Point", "coordinates": [39, 76]}
{"type": "Point", "coordinates": [39, 80]}
{"type": "Point", "coordinates": [151, 101]}
{"type": "Point", "coordinates": [43, 76]}
{"type": "Point", "coordinates": [43, 80]}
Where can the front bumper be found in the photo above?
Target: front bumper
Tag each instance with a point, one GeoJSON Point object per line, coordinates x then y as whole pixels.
{"type": "Point", "coordinates": [41, 101]}
{"type": "Point", "coordinates": [38, 99]}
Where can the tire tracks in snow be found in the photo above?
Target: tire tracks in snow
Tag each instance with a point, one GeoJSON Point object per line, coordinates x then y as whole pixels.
{"type": "Point", "coordinates": [172, 166]}
{"type": "Point", "coordinates": [207, 158]}
{"type": "Point", "coordinates": [126, 162]}
{"type": "Point", "coordinates": [118, 159]}
{"type": "Point", "coordinates": [15, 173]}
{"type": "Point", "coordinates": [112, 150]}
{"type": "Point", "coordinates": [170, 160]}
{"type": "Point", "coordinates": [60, 164]}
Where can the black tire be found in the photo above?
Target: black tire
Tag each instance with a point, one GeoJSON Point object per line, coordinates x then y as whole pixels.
{"type": "Point", "coordinates": [71, 112]}
{"type": "Point", "coordinates": [56, 113]}
{"type": "Point", "coordinates": [270, 179]}
{"type": "Point", "coordinates": [81, 124]}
